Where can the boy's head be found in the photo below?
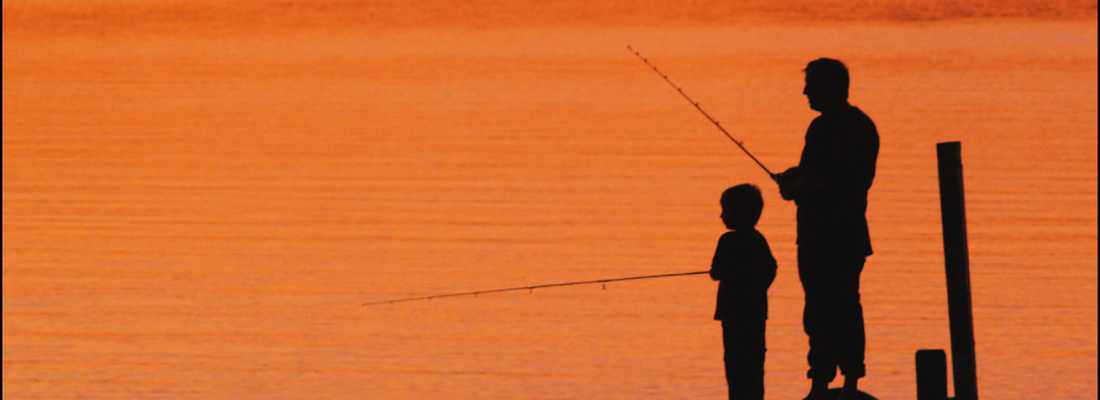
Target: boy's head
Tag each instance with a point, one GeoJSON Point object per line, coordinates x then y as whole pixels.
{"type": "Point", "coordinates": [741, 206]}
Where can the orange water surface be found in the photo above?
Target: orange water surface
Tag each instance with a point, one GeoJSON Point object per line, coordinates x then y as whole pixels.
{"type": "Point", "coordinates": [199, 196]}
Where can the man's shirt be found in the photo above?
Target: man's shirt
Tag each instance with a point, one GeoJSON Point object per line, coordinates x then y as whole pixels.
{"type": "Point", "coordinates": [837, 168]}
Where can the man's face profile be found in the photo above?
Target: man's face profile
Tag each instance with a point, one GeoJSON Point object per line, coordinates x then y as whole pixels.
{"type": "Point", "coordinates": [813, 92]}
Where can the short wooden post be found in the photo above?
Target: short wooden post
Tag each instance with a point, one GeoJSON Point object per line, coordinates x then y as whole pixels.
{"type": "Point", "coordinates": [957, 266]}
{"type": "Point", "coordinates": [931, 375]}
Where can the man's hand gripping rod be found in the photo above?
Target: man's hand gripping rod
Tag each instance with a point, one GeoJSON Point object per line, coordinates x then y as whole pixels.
{"type": "Point", "coordinates": [711, 119]}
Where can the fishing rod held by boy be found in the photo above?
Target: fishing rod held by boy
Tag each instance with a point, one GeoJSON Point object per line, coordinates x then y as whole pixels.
{"type": "Point", "coordinates": [531, 288]}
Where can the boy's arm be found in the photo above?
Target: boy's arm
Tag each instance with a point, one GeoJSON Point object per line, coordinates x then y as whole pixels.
{"type": "Point", "coordinates": [768, 276]}
{"type": "Point", "coordinates": [715, 264]}
{"type": "Point", "coordinates": [733, 252]}
{"type": "Point", "coordinates": [719, 262]}
{"type": "Point", "coordinates": [768, 268]}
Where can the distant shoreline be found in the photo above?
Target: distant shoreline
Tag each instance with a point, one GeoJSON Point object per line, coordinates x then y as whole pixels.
{"type": "Point", "coordinates": [209, 17]}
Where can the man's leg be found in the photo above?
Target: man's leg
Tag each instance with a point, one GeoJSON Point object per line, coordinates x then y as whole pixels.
{"type": "Point", "coordinates": [813, 273]}
{"type": "Point", "coordinates": [852, 338]}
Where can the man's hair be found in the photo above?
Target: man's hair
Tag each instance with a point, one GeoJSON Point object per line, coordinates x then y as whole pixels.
{"type": "Point", "coordinates": [830, 74]}
{"type": "Point", "coordinates": [745, 201]}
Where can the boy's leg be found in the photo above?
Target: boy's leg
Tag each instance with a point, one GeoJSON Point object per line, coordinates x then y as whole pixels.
{"type": "Point", "coordinates": [729, 343]}
{"type": "Point", "coordinates": [745, 349]}
{"type": "Point", "coordinates": [753, 360]}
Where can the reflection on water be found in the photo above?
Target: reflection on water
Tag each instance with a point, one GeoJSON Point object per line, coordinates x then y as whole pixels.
{"type": "Point", "coordinates": [201, 217]}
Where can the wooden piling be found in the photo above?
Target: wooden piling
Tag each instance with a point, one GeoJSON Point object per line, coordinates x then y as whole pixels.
{"type": "Point", "coordinates": [931, 375]}
{"type": "Point", "coordinates": [957, 267]}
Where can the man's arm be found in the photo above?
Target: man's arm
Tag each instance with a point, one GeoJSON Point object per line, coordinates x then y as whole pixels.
{"type": "Point", "coordinates": [789, 183]}
{"type": "Point", "coordinates": [807, 177]}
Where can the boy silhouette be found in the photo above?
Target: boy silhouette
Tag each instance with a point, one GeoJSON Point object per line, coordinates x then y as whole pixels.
{"type": "Point", "coordinates": [744, 267]}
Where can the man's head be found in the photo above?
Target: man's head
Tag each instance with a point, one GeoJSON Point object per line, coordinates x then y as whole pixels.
{"type": "Point", "coordinates": [741, 206]}
{"type": "Point", "coordinates": [826, 84]}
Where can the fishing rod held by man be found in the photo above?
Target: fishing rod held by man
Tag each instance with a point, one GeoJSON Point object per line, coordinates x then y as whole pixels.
{"type": "Point", "coordinates": [695, 104]}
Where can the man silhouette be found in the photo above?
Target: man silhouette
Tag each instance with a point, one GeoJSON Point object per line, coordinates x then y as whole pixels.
{"type": "Point", "coordinates": [830, 186]}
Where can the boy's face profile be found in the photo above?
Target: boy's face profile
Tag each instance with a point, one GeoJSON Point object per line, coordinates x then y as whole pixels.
{"type": "Point", "coordinates": [730, 217]}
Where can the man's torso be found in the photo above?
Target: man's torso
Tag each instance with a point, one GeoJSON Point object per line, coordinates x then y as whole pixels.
{"type": "Point", "coordinates": [841, 149]}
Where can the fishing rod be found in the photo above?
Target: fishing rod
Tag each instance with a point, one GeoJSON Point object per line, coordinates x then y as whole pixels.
{"type": "Point", "coordinates": [533, 287]}
{"type": "Point", "coordinates": [705, 114]}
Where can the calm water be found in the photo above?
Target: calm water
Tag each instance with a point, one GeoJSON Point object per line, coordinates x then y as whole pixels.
{"type": "Point", "coordinates": [202, 216]}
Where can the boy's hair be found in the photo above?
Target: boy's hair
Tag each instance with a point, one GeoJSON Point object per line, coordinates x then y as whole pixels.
{"type": "Point", "coordinates": [744, 200]}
